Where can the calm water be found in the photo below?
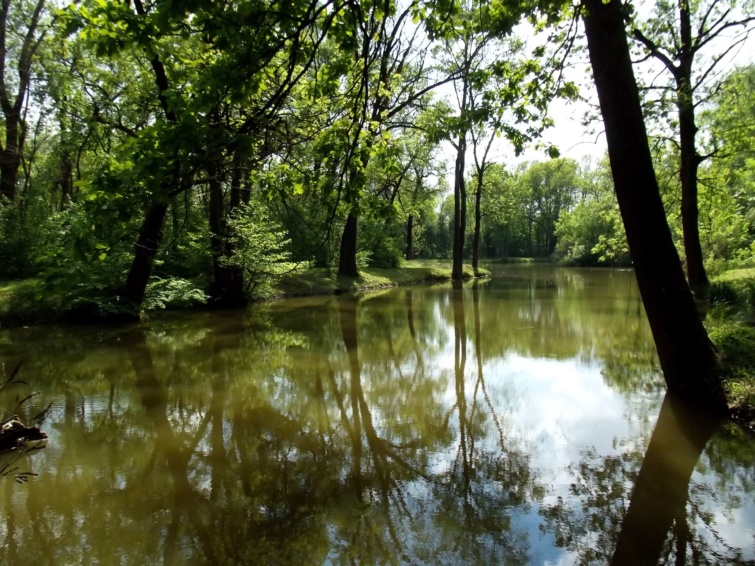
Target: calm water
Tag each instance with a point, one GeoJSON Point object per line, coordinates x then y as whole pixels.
{"type": "Point", "coordinates": [519, 421]}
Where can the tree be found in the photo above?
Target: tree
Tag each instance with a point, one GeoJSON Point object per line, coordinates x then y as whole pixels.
{"type": "Point", "coordinates": [551, 187]}
{"type": "Point", "coordinates": [686, 354]}
{"type": "Point", "coordinates": [391, 77]}
{"type": "Point", "coordinates": [677, 36]}
{"type": "Point", "coordinates": [730, 178]}
{"type": "Point", "coordinates": [200, 62]}
{"type": "Point", "coordinates": [591, 232]}
{"type": "Point", "coordinates": [20, 38]}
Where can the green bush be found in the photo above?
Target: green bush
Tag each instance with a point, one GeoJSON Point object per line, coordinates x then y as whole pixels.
{"type": "Point", "coordinates": [20, 240]}
{"type": "Point", "coordinates": [260, 248]}
{"type": "Point", "coordinates": [172, 292]}
{"type": "Point", "coordinates": [736, 345]}
{"type": "Point", "coordinates": [386, 255]}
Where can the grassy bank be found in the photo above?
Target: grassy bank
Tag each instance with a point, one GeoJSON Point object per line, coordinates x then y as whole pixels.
{"type": "Point", "coordinates": [22, 303]}
{"type": "Point", "coordinates": [327, 282]}
{"type": "Point", "coordinates": [731, 326]}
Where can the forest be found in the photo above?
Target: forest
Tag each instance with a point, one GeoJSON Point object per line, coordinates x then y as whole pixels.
{"type": "Point", "coordinates": [214, 154]}
{"type": "Point", "coordinates": [159, 153]}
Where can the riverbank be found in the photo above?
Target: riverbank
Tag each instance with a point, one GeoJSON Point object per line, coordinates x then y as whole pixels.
{"type": "Point", "coordinates": [327, 281]}
{"type": "Point", "coordinates": [23, 302]}
{"type": "Point", "coordinates": [731, 327]}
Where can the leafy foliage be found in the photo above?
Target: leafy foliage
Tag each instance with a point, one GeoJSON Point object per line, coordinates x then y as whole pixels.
{"type": "Point", "coordinates": [259, 248]}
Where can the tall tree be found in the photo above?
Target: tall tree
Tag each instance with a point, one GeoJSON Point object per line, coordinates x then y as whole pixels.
{"type": "Point", "coordinates": [202, 57]}
{"type": "Point", "coordinates": [20, 38]}
{"type": "Point", "coordinates": [686, 354]}
{"type": "Point", "coordinates": [678, 35]}
{"type": "Point", "coordinates": [391, 77]}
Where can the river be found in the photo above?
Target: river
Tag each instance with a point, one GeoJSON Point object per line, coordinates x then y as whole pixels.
{"type": "Point", "coordinates": [517, 420]}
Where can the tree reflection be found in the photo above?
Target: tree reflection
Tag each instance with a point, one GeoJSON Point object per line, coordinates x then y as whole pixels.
{"type": "Point", "coordinates": [489, 481]}
{"type": "Point", "coordinates": [663, 520]}
{"type": "Point", "coordinates": [384, 428]}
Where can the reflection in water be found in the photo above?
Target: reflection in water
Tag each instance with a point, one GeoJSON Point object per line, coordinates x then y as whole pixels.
{"type": "Point", "coordinates": [496, 423]}
{"type": "Point", "coordinates": [659, 496]}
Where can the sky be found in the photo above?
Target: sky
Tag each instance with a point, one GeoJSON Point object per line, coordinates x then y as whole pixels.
{"type": "Point", "coordinates": [574, 139]}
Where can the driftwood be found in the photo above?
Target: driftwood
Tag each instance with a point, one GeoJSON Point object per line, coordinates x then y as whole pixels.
{"type": "Point", "coordinates": [14, 434]}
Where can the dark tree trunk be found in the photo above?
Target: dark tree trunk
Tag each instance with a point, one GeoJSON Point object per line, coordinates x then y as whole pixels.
{"type": "Point", "coordinates": [227, 289]}
{"type": "Point", "coordinates": [10, 155]}
{"type": "Point", "coordinates": [690, 160]}
{"type": "Point", "coordinates": [410, 237]}
{"type": "Point", "coordinates": [150, 236]}
{"type": "Point", "coordinates": [660, 493]}
{"type": "Point", "coordinates": [686, 354]}
{"type": "Point", "coordinates": [477, 219]}
{"type": "Point", "coordinates": [698, 279]}
{"type": "Point", "coordinates": [460, 210]}
{"type": "Point", "coordinates": [10, 158]}
{"type": "Point", "coordinates": [347, 262]}
{"type": "Point", "coordinates": [151, 231]}
{"type": "Point", "coordinates": [66, 180]}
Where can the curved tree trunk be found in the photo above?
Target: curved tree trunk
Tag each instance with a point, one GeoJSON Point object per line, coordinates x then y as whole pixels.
{"type": "Point", "coordinates": [686, 354]}
{"type": "Point", "coordinates": [150, 237]}
{"type": "Point", "coordinates": [14, 126]}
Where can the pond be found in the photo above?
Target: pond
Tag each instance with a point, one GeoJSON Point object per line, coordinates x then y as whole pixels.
{"type": "Point", "coordinates": [517, 420]}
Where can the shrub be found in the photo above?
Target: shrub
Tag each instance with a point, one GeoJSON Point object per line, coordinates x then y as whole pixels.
{"type": "Point", "coordinates": [260, 248]}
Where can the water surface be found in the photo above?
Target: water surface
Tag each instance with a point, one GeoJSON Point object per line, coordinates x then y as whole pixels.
{"type": "Point", "coordinates": [520, 420]}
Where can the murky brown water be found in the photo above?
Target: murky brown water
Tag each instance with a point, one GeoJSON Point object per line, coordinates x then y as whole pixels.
{"type": "Point", "coordinates": [509, 422]}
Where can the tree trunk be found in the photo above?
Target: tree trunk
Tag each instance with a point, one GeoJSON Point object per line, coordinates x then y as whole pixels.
{"type": "Point", "coordinates": [698, 279]}
{"type": "Point", "coordinates": [460, 210]}
{"type": "Point", "coordinates": [66, 180]}
{"type": "Point", "coordinates": [227, 288]}
{"type": "Point", "coordinates": [347, 261]}
{"type": "Point", "coordinates": [10, 159]}
{"type": "Point", "coordinates": [686, 354]}
{"type": "Point", "coordinates": [150, 236]}
{"type": "Point", "coordinates": [477, 219]}
{"type": "Point", "coordinates": [10, 155]}
{"type": "Point", "coordinates": [410, 238]}
{"type": "Point", "coordinates": [690, 160]}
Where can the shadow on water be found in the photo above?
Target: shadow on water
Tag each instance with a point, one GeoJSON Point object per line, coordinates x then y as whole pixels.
{"type": "Point", "coordinates": [659, 498]}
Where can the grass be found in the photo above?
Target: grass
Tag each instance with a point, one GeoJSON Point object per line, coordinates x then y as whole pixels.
{"type": "Point", "coordinates": [326, 281]}
{"type": "Point", "coordinates": [19, 303]}
{"type": "Point", "coordinates": [736, 274]}
{"type": "Point", "coordinates": [731, 327]}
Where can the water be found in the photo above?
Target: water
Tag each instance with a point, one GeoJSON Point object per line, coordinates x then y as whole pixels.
{"type": "Point", "coordinates": [520, 420]}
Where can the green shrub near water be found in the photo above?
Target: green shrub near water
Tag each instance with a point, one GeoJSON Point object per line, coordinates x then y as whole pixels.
{"type": "Point", "coordinates": [736, 346]}
{"type": "Point", "coordinates": [730, 327]}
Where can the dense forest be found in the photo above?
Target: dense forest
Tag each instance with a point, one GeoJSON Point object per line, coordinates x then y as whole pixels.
{"type": "Point", "coordinates": [157, 151]}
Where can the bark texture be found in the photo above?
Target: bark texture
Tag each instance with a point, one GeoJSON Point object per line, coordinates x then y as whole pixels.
{"type": "Point", "coordinates": [686, 354]}
{"type": "Point", "coordinates": [460, 210]}
{"type": "Point", "coordinates": [347, 263]}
